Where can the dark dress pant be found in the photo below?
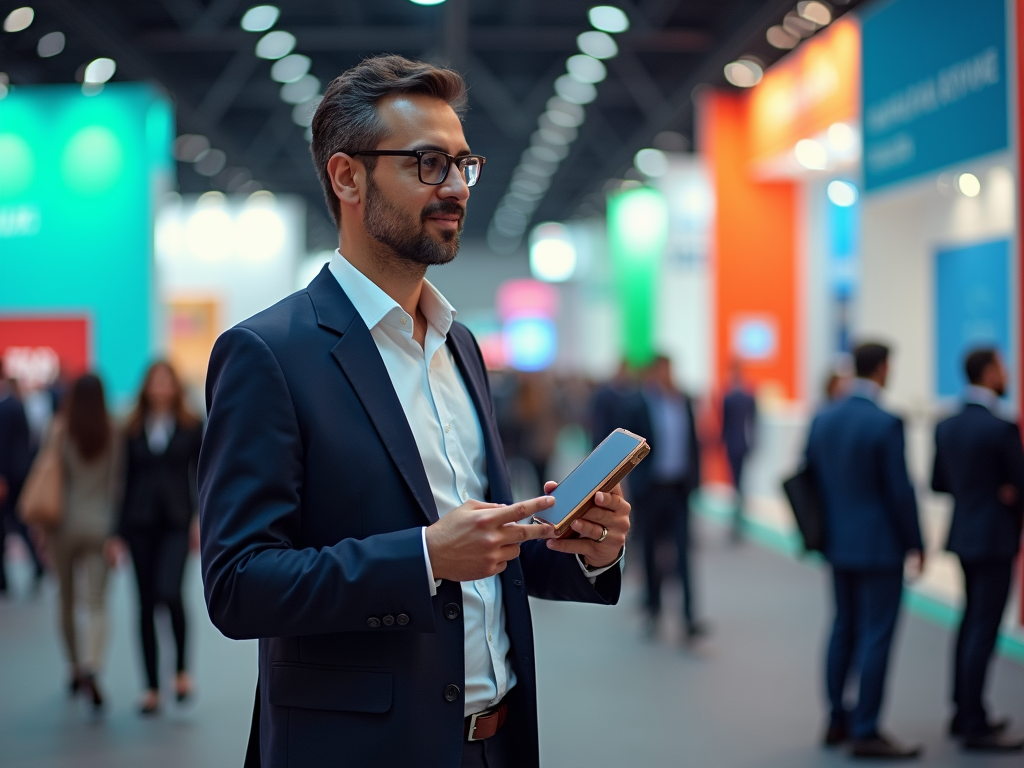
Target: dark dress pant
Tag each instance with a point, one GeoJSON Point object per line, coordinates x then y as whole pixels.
{"type": "Point", "coordinates": [490, 753]}
{"type": "Point", "coordinates": [159, 557]}
{"type": "Point", "coordinates": [664, 515]}
{"type": "Point", "coordinates": [867, 606]}
{"type": "Point", "coordinates": [736, 461]}
{"type": "Point", "coordinates": [987, 587]}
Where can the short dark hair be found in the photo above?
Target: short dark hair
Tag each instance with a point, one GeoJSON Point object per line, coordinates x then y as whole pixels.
{"type": "Point", "coordinates": [346, 119]}
{"type": "Point", "coordinates": [977, 361]}
{"type": "Point", "coordinates": [868, 358]}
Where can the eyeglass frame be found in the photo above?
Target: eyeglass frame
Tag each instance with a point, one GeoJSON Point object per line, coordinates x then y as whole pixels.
{"type": "Point", "coordinates": [418, 154]}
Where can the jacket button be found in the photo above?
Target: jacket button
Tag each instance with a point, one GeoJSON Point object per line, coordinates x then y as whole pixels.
{"type": "Point", "coordinates": [451, 692]}
{"type": "Point", "coordinates": [517, 582]}
{"type": "Point", "coordinates": [452, 611]}
{"type": "Point", "coordinates": [389, 620]}
{"type": "Point", "coordinates": [402, 619]}
{"type": "Point", "coordinates": [373, 622]}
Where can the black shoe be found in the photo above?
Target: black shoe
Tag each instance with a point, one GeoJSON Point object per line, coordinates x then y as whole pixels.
{"type": "Point", "coordinates": [91, 691]}
{"type": "Point", "coordinates": [994, 726]}
{"type": "Point", "coordinates": [74, 686]}
{"type": "Point", "coordinates": [993, 742]}
{"type": "Point", "coordinates": [836, 735]}
{"type": "Point", "coordinates": [880, 746]}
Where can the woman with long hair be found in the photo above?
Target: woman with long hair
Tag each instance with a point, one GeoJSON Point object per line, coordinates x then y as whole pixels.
{"type": "Point", "coordinates": [90, 467]}
{"type": "Point", "coordinates": [160, 502]}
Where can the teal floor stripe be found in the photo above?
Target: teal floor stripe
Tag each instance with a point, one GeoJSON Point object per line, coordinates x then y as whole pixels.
{"type": "Point", "coordinates": [788, 543]}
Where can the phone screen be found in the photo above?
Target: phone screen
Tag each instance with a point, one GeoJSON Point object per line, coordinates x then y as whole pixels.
{"type": "Point", "coordinates": [588, 476]}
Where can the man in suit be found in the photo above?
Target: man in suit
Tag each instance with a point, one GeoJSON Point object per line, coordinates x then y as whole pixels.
{"type": "Point", "coordinates": [979, 459]}
{"type": "Point", "coordinates": [661, 486]}
{"type": "Point", "coordinates": [739, 430]}
{"type": "Point", "coordinates": [15, 458]}
{"type": "Point", "coordinates": [610, 402]}
{"type": "Point", "coordinates": [855, 452]}
{"type": "Point", "coordinates": [354, 502]}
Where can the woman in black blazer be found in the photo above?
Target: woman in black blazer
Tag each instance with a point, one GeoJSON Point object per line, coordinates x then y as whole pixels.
{"type": "Point", "coordinates": [159, 507]}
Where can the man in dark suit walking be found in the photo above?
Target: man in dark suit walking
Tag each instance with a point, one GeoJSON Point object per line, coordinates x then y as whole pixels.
{"type": "Point", "coordinates": [855, 452]}
{"type": "Point", "coordinates": [15, 460]}
{"type": "Point", "coordinates": [739, 431]}
{"type": "Point", "coordinates": [979, 459]}
{"type": "Point", "coordinates": [355, 506]}
{"type": "Point", "coordinates": [662, 485]}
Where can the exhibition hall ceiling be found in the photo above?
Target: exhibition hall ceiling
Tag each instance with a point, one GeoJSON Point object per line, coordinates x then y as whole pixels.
{"type": "Point", "coordinates": [242, 102]}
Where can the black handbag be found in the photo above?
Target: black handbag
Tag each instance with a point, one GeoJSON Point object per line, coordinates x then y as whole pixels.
{"type": "Point", "coordinates": [804, 498]}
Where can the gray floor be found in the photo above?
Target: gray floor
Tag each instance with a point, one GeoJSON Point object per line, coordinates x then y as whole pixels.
{"type": "Point", "coordinates": [748, 697]}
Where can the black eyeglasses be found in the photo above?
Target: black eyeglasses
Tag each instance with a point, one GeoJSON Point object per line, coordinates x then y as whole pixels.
{"type": "Point", "coordinates": [434, 165]}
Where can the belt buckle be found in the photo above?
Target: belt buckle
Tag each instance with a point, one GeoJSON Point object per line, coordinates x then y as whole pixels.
{"type": "Point", "coordinates": [472, 723]}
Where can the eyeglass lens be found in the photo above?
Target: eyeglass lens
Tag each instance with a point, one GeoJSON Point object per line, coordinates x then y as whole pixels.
{"type": "Point", "coordinates": [434, 168]}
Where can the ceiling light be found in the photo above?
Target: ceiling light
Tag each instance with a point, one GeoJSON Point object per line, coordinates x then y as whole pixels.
{"type": "Point", "coordinates": [743, 73]}
{"type": "Point", "coordinates": [19, 19]}
{"type": "Point", "coordinates": [563, 118]}
{"type": "Point", "coordinates": [276, 44]}
{"type": "Point", "coordinates": [969, 184]}
{"type": "Point", "coordinates": [548, 136]}
{"type": "Point", "coordinates": [50, 45]}
{"type": "Point", "coordinates": [559, 150]}
{"type": "Point", "coordinates": [798, 25]}
{"type": "Point", "coordinates": [529, 164]}
{"type": "Point", "coordinates": [529, 186]}
{"type": "Point", "coordinates": [544, 154]}
{"type": "Point", "coordinates": [290, 68]}
{"type": "Point", "coordinates": [303, 89]}
{"type": "Point", "coordinates": [842, 138]}
{"type": "Point", "coordinates": [568, 131]}
{"type": "Point", "coordinates": [810, 154]}
{"type": "Point", "coordinates": [211, 162]}
{"type": "Point", "coordinates": [302, 114]}
{"type": "Point", "coordinates": [573, 91]}
{"type": "Point", "coordinates": [426, 2]}
{"type": "Point", "coordinates": [814, 11]}
{"type": "Point", "coordinates": [99, 71]}
{"type": "Point", "coordinates": [608, 18]}
{"type": "Point", "coordinates": [513, 200]}
{"type": "Point", "coordinates": [586, 68]}
{"type": "Point", "coordinates": [260, 19]}
{"type": "Point", "coordinates": [600, 45]}
{"type": "Point", "coordinates": [552, 253]}
{"type": "Point", "coordinates": [782, 38]}
{"type": "Point", "coordinates": [189, 147]}
{"type": "Point", "coordinates": [842, 193]}
{"type": "Point", "coordinates": [651, 162]}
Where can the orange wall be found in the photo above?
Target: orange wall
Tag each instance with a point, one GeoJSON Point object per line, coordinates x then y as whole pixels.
{"type": "Point", "coordinates": [754, 263]}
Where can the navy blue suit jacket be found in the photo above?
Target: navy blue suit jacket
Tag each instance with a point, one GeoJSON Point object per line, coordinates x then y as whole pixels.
{"type": "Point", "coordinates": [975, 453]}
{"type": "Point", "coordinates": [638, 420]}
{"type": "Point", "coordinates": [739, 421]}
{"type": "Point", "coordinates": [856, 454]}
{"type": "Point", "coordinates": [15, 456]}
{"type": "Point", "coordinates": [312, 495]}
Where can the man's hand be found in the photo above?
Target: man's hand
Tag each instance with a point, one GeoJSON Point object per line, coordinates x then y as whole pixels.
{"type": "Point", "coordinates": [477, 540]}
{"type": "Point", "coordinates": [915, 564]}
{"type": "Point", "coordinates": [611, 512]}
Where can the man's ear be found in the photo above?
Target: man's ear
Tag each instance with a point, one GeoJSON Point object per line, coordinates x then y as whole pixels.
{"type": "Point", "coordinates": [346, 176]}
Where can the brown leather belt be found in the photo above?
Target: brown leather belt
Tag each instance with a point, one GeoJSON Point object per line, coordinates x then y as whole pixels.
{"type": "Point", "coordinates": [483, 725]}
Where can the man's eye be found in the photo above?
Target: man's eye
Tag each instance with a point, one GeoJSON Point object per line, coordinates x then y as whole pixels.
{"type": "Point", "coordinates": [430, 161]}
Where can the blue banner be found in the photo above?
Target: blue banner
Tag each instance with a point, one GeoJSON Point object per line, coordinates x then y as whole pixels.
{"type": "Point", "coordinates": [934, 86]}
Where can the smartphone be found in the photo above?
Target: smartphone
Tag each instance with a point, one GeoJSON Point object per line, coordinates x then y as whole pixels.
{"type": "Point", "coordinates": [602, 470]}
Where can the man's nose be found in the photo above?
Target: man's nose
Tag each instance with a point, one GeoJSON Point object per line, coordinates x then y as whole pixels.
{"type": "Point", "coordinates": [455, 185]}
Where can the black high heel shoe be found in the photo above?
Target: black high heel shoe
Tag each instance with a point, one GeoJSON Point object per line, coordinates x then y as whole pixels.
{"type": "Point", "coordinates": [91, 690]}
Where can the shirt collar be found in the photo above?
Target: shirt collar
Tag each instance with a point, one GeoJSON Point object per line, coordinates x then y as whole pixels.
{"type": "Point", "coordinates": [865, 388]}
{"type": "Point", "coordinates": [983, 396]}
{"type": "Point", "coordinates": [375, 307]}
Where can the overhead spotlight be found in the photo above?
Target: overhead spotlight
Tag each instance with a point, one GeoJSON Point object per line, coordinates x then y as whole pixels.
{"type": "Point", "coordinates": [189, 147]}
{"type": "Point", "coordinates": [211, 162]}
{"type": "Point", "coordinates": [565, 113]}
{"type": "Point", "coordinates": [573, 91]}
{"type": "Point", "coordinates": [744, 73]}
{"type": "Point", "coordinates": [275, 45]}
{"type": "Point", "coordinates": [651, 162]}
{"type": "Point", "coordinates": [546, 123]}
{"type": "Point", "coordinates": [600, 45]}
{"type": "Point", "coordinates": [19, 19]}
{"type": "Point", "coordinates": [99, 71]}
{"type": "Point", "coordinates": [671, 141]}
{"type": "Point", "coordinates": [811, 155]}
{"type": "Point", "coordinates": [260, 18]}
{"type": "Point", "coordinates": [426, 2]}
{"type": "Point", "coordinates": [586, 68]}
{"type": "Point", "coordinates": [552, 253]}
{"type": "Point", "coordinates": [842, 138]}
{"type": "Point", "coordinates": [842, 193]}
{"type": "Point", "coordinates": [799, 26]}
{"type": "Point", "coordinates": [780, 37]}
{"type": "Point", "coordinates": [608, 18]}
{"type": "Point", "coordinates": [548, 136]}
{"type": "Point", "coordinates": [814, 11]}
{"type": "Point", "coordinates": [968, 184]}
{"type": "Point", "coordinates": [50, 45]}
{"type": "Point", "coordinates": [303, 89]}
{"type": "Point", "coordinates": [290, 68]}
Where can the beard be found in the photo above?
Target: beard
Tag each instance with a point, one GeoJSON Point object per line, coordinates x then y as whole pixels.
{"type": "Point", "coordinates": [386, 223]}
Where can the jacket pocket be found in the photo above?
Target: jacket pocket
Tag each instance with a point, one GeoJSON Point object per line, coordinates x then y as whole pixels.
{"type": "Point", "coordinates": [339, 689]}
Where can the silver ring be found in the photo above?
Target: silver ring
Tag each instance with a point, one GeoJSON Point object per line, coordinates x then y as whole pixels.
{"type": "Point", "coordinates": [604, 535]}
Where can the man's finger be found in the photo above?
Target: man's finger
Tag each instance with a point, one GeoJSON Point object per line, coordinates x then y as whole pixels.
{"type": "Point", "coordinates": [610, 501]}
{"type": "Point", "coordinates": [517, 532]}
{"type": "Point", "coordinates": [513, 513]}
{"type": "Point", "coordinates": [549, 486]}
{"type": "Point", "coordinates": [601, 516]}
{"type": "Point", "coordinates": [587, 529]}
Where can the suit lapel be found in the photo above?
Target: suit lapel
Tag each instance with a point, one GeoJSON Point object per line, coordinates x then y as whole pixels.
{"type": "Point", "coordinates": [360, 360]}
{"type": "Point", "coordinates": [473, 374]}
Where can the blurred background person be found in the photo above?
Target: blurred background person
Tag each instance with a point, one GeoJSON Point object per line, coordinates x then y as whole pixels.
{"type": "Point", "coordinates": [86, 438]}
{"type": "Point", "coordinates": [610, 403]}
{"type": "Point", "coordinates": [662, 486]}
{"type": "Point", "coordinates": [15, 459]}
{"type": "Point", "coordinates": [739, 433]}
{"type": "Point", "coordinates": [980, 461]}
{"type": "Point", "coordinates": [158, 515]}
{"type": "Point", "coordinates": [855, 452]}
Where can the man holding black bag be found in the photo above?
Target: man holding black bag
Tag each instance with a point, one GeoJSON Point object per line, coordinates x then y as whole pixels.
{"type": "Point", "coordinates": [855, 455]}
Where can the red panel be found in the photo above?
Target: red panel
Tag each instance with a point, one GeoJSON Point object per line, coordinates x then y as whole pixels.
{"type": "Point", "coordinates": [34, 348]}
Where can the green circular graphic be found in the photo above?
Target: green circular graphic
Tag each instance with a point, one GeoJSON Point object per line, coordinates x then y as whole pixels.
{"type": "Point", "coordinates": [92, 160]}
{"type": "Point", "coordinates": [17, 166]}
